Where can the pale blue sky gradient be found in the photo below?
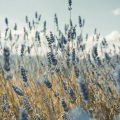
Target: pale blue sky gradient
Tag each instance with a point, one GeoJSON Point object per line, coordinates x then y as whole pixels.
{"type": "Point", "coordinates": [97, 13]}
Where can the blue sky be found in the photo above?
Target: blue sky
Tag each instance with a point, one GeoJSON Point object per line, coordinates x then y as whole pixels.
{"type": "Point", "coordinates": [97, 13]}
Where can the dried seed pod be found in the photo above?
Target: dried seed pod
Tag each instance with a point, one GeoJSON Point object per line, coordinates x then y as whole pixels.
{"type": "Point", "coordinates": [6, 53]}
{"type": "Point", "coordinates": [72, 94]}
{"type": "Point", "coordinates": [64, 105]}
{"type": "Point", "coordinates": [17, 90]}
{"type": "Point", "coordinates": [117, 76]}
{"type": "Point", "coordinates": [6, 21]}
{"type": "Point", "coordinates": [83, 89]}
{"type": "Point", "coordinates": [23, 114]}
{"type": "Point", "coordinates": [47, 82]}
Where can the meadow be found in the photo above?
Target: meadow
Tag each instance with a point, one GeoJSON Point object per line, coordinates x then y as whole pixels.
{"type": "Point", "coordinates": [47, 75]}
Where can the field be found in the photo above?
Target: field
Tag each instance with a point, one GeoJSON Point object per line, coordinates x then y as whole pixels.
{"type": "Point", "coordinates": [53, 75]}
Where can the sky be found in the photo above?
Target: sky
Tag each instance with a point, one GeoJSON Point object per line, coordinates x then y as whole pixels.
{"type": "Point", "coordinates": [101, 14]}
{"type": "Point", "coordinates": [97, 13]}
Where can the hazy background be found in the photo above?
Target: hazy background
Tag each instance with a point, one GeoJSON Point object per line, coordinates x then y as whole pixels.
{"type": "Point", "coordinates": [101, 14]}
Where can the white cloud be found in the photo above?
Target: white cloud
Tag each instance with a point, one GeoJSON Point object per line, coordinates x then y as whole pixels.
{"type": "Point", "coordinates": [116, 11]}
{"type": "Point", "coordinates": [113, 36]}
